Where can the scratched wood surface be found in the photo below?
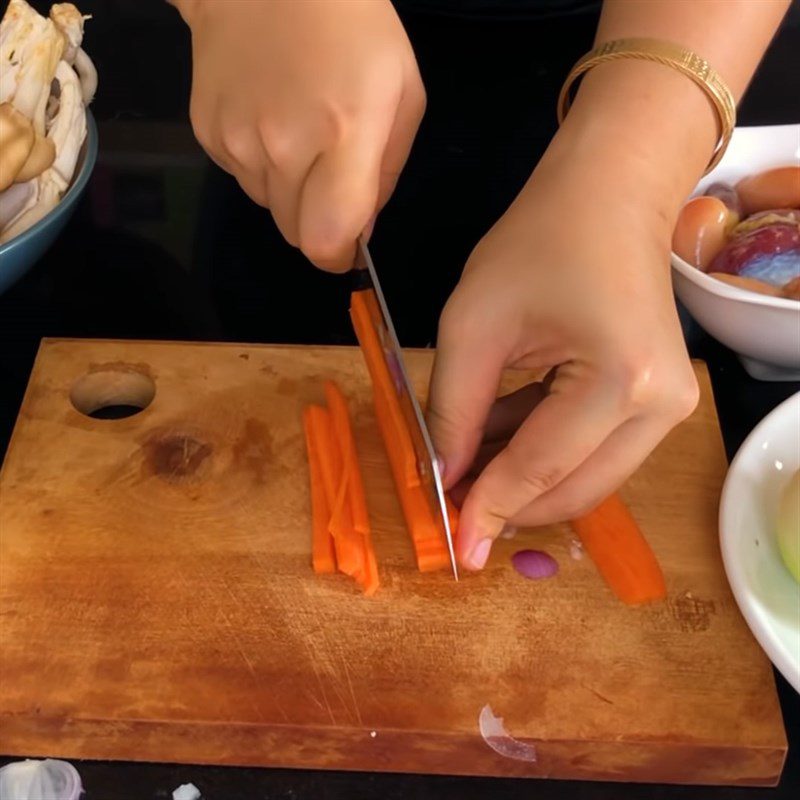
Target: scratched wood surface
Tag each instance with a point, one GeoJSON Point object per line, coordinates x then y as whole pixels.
{"type": "Point", "coordinates": [157, 603]}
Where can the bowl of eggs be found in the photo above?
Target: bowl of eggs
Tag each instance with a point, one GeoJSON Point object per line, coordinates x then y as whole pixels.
{"type": "Point", "coordinates": [736, 251]}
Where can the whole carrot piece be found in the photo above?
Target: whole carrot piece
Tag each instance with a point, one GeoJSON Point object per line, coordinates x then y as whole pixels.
{"type": "Point", "coordinates": [613, 540]}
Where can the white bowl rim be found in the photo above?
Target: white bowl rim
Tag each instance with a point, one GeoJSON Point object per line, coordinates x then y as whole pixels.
{"type": "Point", "coordinates": [728, 291]}
{"type": "Point", "coordinates": [718, 287]}
{"type": "Point", "coordinates": [733, 570]}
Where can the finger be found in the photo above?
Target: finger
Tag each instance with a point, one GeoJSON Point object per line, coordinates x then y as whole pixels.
{"type": "Point", "coordinates": [561, 433]}
{"type": "Point", "coordinates": [255, 185]}
{"type": "Point", "coordinates": [463, 387]}
{"type": "Point", "coordinates": [284, 201]}
{"type": "Point", "coordinates": [239, 148]}
{"type": "Point", "coordinates": [599, 476]}
{"type": "Point", "coordinates": [459, 492]}
{"type": "Point", "coordinates": [290, 158]}
{"type": "Point", "coordinates": [339, 197]}
{"type": "Point", "coordinates": [410, 111]}
{"type": "Point", "coordinates": [511, 410]}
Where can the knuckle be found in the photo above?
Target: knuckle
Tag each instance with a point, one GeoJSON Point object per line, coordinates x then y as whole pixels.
{"type": "Point", "coordinates": [200, 126]}
{"type": "Point", "coordinates": [237, 141]}
{"type": "Point", "coordinates": [419, 97]}
{"type": "Point", "coordinates": [636, 379]}
{"type": "Point", "coordinates": [322, 247]}
{"type": "Point", "coordinates": [684, 397]}
{"type": "Point", "coordinates": [448, 424]}
{"type": "Point", "coordinates": [280, 143]}
{"type": "Point", "coordinates": [537, 478]}
{"type": "Point", "coordinates": [642, 386]}
{"type": "Point", "coordinates": [454, 322]}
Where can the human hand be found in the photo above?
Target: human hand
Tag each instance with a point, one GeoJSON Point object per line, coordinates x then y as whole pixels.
{"type": "Point", "coordinates": [311, 106]}
{"type": "Point", "coordinates": [573, 281]}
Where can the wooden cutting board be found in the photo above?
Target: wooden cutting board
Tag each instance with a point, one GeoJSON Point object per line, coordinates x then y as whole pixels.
{"type": "Point", "coordinates": [157, 603]}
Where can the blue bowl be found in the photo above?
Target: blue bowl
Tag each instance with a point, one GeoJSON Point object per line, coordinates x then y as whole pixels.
{"type": "Point", "coordinates": [19, 254]}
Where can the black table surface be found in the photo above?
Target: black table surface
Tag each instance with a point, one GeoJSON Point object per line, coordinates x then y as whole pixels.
{"type": "Point", "coordinates": [165, 246]}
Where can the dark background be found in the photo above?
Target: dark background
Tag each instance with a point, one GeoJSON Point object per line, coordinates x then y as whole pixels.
{"type": "Point", "coordinates": [165, 246]}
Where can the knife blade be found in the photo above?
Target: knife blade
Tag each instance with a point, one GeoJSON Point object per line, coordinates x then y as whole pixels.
{"type": "Point", "coordinates": [427, 463]}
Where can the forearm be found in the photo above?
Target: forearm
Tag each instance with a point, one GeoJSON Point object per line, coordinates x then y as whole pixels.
{"type": "Point", "coordinates": [649, 118]}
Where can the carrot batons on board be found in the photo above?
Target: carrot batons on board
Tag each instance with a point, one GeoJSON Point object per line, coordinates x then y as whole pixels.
{"type": "Point", "coordinates": [341, 534]}
{"type": "Point", "coordinates": [428, 540]}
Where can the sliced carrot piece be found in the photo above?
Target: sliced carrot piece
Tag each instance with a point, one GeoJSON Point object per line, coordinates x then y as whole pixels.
{"type": "Point", "coordinates": [430, 548]}
{"type": "Point", "coordinates": [429, 544]}
{"type": "Point", "coordinates": [340, 416]}
{"type": "Point", "coordinates": [620, 552]}
{"type": "Point", "coordinates": [323, 556]}
{"type": "Point", "coordinates": [356, 496]}
{"type": "Point", "coordinates": [347, 543]}
{"type": "Point", "coordinates": [364, 324]}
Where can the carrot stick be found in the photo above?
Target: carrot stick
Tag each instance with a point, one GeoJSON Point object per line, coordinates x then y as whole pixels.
{"type": "Point", "coordinates": [430, 548]}
{"type": "Point", "coordinates": [621, 553]}
{"type": "Point", "coordinates": [343, 430]}
{"type": "Point", "coordinates": [356, 496]}
{"type": "Point", "coordinates": [429, 545]}
{"type": "Point", "coordinates": [382, 381]}
{"type": "Point", "coordinates": [348, 545]}
{"type": "Point", "coordinates": [323, 556]}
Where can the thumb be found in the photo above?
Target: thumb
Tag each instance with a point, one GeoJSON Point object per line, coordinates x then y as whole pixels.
{"type": "Point", "coordinates": [466, 375]}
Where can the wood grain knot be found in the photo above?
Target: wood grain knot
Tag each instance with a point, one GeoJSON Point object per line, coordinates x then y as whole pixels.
{"type": "Point", "coordinates": [178, 458]}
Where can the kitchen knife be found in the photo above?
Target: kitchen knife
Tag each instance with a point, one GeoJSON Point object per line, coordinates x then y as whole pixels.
{"type": "Point", "coordinates": [427, 464]}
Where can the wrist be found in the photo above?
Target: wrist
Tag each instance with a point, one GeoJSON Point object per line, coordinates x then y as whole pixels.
{"type": "Point", "coordinates": [650, 127]}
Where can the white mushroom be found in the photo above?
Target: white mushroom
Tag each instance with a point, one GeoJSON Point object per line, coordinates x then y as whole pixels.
{"type": "Point", "coordinates": [48, 78]}
{"type": "Point", "coordinates": [70, 21]}
{"type": "Point", "coordinates": [30, 49]}
{"type": "Point", "coordinates": [16, 143]}
{"type": "Point", "coordinates": [88, 75]}
{"type": "Point", "coordinates": [68, 129]}
{"type": "Point", "coordinates": [14, 200]}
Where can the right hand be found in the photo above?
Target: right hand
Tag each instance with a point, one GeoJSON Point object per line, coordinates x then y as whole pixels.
{"type": "Point", "coordinates": [312, 106]}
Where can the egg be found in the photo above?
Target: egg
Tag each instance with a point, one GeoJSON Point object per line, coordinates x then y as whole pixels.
{"type": "Point", "coordinates": [775, 188]}
{"type": "Point", "coordinates": [701, 230]}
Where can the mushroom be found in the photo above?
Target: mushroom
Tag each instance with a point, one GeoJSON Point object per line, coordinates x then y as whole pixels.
{"type": "Point", "coordinates": [70, 21]}
{"type": "Point", "coordinates": [14, 200]}
{"type": "Point", "coordinates": [67, 132]}
{"type": "Point", "coordinates": [16, 143]}
{"type": "Point", "coordinates": [46, 79]}
{"type": "Point", "coordinates": [31, 48]}
{"type": "Point", "coordinates": [42, 155]}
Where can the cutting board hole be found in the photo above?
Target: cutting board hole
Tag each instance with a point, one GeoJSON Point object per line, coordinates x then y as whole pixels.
{"type": "Point", "coordinates": [114, 393]}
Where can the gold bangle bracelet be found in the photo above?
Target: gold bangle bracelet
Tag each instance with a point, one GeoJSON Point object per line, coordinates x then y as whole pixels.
{"type": "Point", "coordinates": [670, 55]}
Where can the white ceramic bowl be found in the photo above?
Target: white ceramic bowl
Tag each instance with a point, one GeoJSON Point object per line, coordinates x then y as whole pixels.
{"type": "Point", "coordinates": [768, 596]}
{"type": "Point", "coordinates": [764, 331]}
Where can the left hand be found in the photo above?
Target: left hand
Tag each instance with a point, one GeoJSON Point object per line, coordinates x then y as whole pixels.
{"type": "Point", "coordinates": [573, 279]}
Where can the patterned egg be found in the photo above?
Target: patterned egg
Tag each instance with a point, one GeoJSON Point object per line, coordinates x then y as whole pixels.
{"type": "Point", "coordinates": [769, 253]}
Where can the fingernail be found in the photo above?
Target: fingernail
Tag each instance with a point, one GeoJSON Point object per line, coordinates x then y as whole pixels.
{"type": "Point", "coordinates": [441, 465]}
{"type": "Point", "coordinates": [508, 532]}
{"type": "Point", "coordinates": [480, 554]}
